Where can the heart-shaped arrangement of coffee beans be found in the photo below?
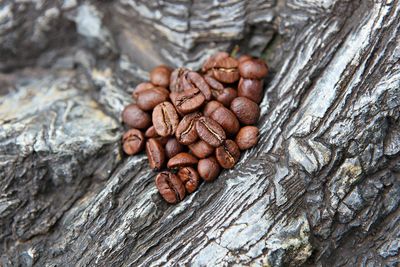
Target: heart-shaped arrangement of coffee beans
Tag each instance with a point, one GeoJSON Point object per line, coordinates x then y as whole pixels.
{"type": "Point", "coordinates": [193, 123]}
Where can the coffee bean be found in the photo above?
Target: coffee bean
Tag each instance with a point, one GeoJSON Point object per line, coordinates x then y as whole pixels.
{"type": "Point", "coordinates": [210, 62]}
{"type": "Point", "coordinates": [227, 154]}
{"type": "Point", "coordinates": [132, 141]}
{"type": "Point", "coordinates": [165, 119]}
{"type": "Point", "coordinates": [253, 69]}
{"type": "Point", "coordinates": [151, 132]}
{"type": "Point", "coordinates": [182, 159]}
{"type": "Point", "coordinates": [155, 153]}
{"type": "Point", "coordinates": [226, 70]}
{"type": "Point", "coordinates": [210, 131]}
{"type": "Point", "coordinates": [210, 107]}
{"type": "Point", "coordinates": [134, 117]}
{"type": "Point", "coordinates": [150, 98]}
{"type": "Point", "coordinates": [141, 87]}
{"type": "Point", "coordinates": [247, 137]}
{"type": "Point", "coordinates": [251, 88]}
{"type": "Point", "coordinates": [226, 96]}
{"type": "Point", "coordinates": [226, 119]}
{"type": "Point", "coordinates": [195, 80]}
{"type": "Point", "coordinates": [244, 58]}
{"type": "Point", "coordinates": [186, 132]}
{"type": "Point", "coordinates": [173, 147]}
{"type": "Point", "coordinates": [201, 149]}
{"type": "Point", "coordinates": [189, 100]}
{"type": "Point", "coordinates": [247, 111]}
{"type": "Point", "coordinates": [160, 75]}
{"type": "Point", "coordinates": [170, 187]}
{"type": "Point", "coordinates": [190, 178]}
{"type": "Point", "coordinates": [208, 169]}
{"type": "Point", "coordinates": [215, 85]}
{"type": "Point", "coordinates": [176, 83]}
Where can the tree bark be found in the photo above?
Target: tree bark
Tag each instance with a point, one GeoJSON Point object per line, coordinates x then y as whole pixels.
{"type": "Point", "coordinates": [322, 187]}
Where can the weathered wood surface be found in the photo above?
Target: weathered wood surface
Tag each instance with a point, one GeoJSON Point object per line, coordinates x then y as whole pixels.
{"type": "Point", "coordinates": [321, 188]}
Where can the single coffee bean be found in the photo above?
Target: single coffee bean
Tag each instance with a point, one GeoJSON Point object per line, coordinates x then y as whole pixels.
{"type": "Point", "coordinates": [195, 80]}
{"type": "Point", "coordinates": [140, 88]}
{"type": "Point", "coordinates": [226, 119]}
{"type": "Point", "coordinates": [247, 137]}
{"type": "Point", "coordinates": [160, 75]}
{"type": "Point", "coordinates": [190, 178]}
{"type": "Point", "coordinates": [151, 132]}
{"type": "Point", "coordinates": [210, 62]}
{"type": "Point", "coordinates": [155, 153]}
{"type": "Point", "coordinates": [226, 96]}
{"type": "Point", "coordinates": [134, 117]}
{"type": "Point", "coordinates": [210, 107]}
{"type": "Point", "coordinates": [226, 70]}
{"type": "Point", "coordinates": [244, 58]}
{"type": "Point", "coordinates": [251, 88]}
{"type": "Point", "coordinates": [150, 98]}
{"type": "Point", "coordinates": [253, 69]}
{"type": "Point", "coordinates": [182, 159]}
{"type": "Point", "coordinates": [176, 84]}
{"type": "Point", "coordinates": [132, 141]}
{"type": "Point", "coordinates": [247, 111]}
{"type": "Point", "coordinates": [227, 154]}
{"type": "Point", "coordinates": [170, 187]}
{"type": "Point", "coordinates": [208, 169]}
{"type": "Point", "coordinates": [173, 147]}
{"type": "Point", "coordinates": [186, 133]}
{"type": "Point", "coordinates": [214, 85]}
{"type": "Point", "coordinates": [201, 149]}
{"type": "Point", "coordinates": [210, 131]}
{"type": "Point", "coordinates": [189, 100]}
{"type": "Point", "coordinates": [165, 119]}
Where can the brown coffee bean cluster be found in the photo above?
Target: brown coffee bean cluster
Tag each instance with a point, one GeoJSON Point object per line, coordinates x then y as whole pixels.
{"type": "Point", "coordinates": [193, 123]}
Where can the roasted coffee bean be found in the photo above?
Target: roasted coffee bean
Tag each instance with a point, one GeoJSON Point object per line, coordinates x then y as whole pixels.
{"type": "Point", "coordinates": [210, 62]}
{"type": "Point", "coordinates": [201, 149]}
{"type": "Point", "coordinates": [244, 58]}
{"type": "Point", "coordinates": [140, 88]}
{"type": "Point", "coordinates": [170, 187]}
{"type": "Point", "coordinates": [226, 70]}
{"type": "Point", "coordinates": [160, 76]}
{"type": "Point", "coordinates": [150, 98]}
{"type": "Point", "coordinates": [189, 100]}
{"type": "Point", "coordinates": [251, 88]}
{"type": "Point", "coordinates": [210, 131]}
{"type": "Point", "coordinates": [227, 154]}
{"type": "Point", "coordinates": [226, 119]}
{"type": "Point", "coordinates": [173, 147]}
{"type": "Point", "coordinates": [132, 141]}
{"type": "Point", "coordinates": [208, 169]}
{"type": "Point", "coordinates": [134, 117]}
{"type": "Point", "coordinates": [151, 132]}
{"type": "Point", "coordinates": [210, 107]}
{"type": "Point", "coordinates": [226, 96]}
{"type": "Point", "coordinates": [155, 153]}
{"type": "Point", "coordinates": [182, 159]}
{"type": "Point", "coordinates": [247, 111]}
{"type": "Point", "coordinates": [253, 69]}
{"type": "Point", "coordinates": [186, 133]}
{"type": "Point", "coordinates": [194, 80]}
{"type": "Point", "coordinates": [176, 83]}
{"type": "Point", "coordinates": [247, 137]}
{"type": "Point", "coordinates": [165, 119]}
{"type": "Point", "coordinates": [190, 178]}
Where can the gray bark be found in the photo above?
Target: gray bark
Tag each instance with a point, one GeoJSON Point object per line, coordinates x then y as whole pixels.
{"type": "Point", "coordinates": [322, 188]}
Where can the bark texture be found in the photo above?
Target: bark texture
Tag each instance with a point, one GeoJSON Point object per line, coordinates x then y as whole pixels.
{"type": "Point", "coordinates": [322, 188]}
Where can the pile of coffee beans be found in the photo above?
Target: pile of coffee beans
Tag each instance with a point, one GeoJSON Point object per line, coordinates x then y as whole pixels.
{"type": "Point", "coordinates": [193, 123]}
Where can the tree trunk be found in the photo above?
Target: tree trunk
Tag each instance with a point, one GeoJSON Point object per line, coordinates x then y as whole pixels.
{"type": "Point", "coordinates": [321, 188]}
